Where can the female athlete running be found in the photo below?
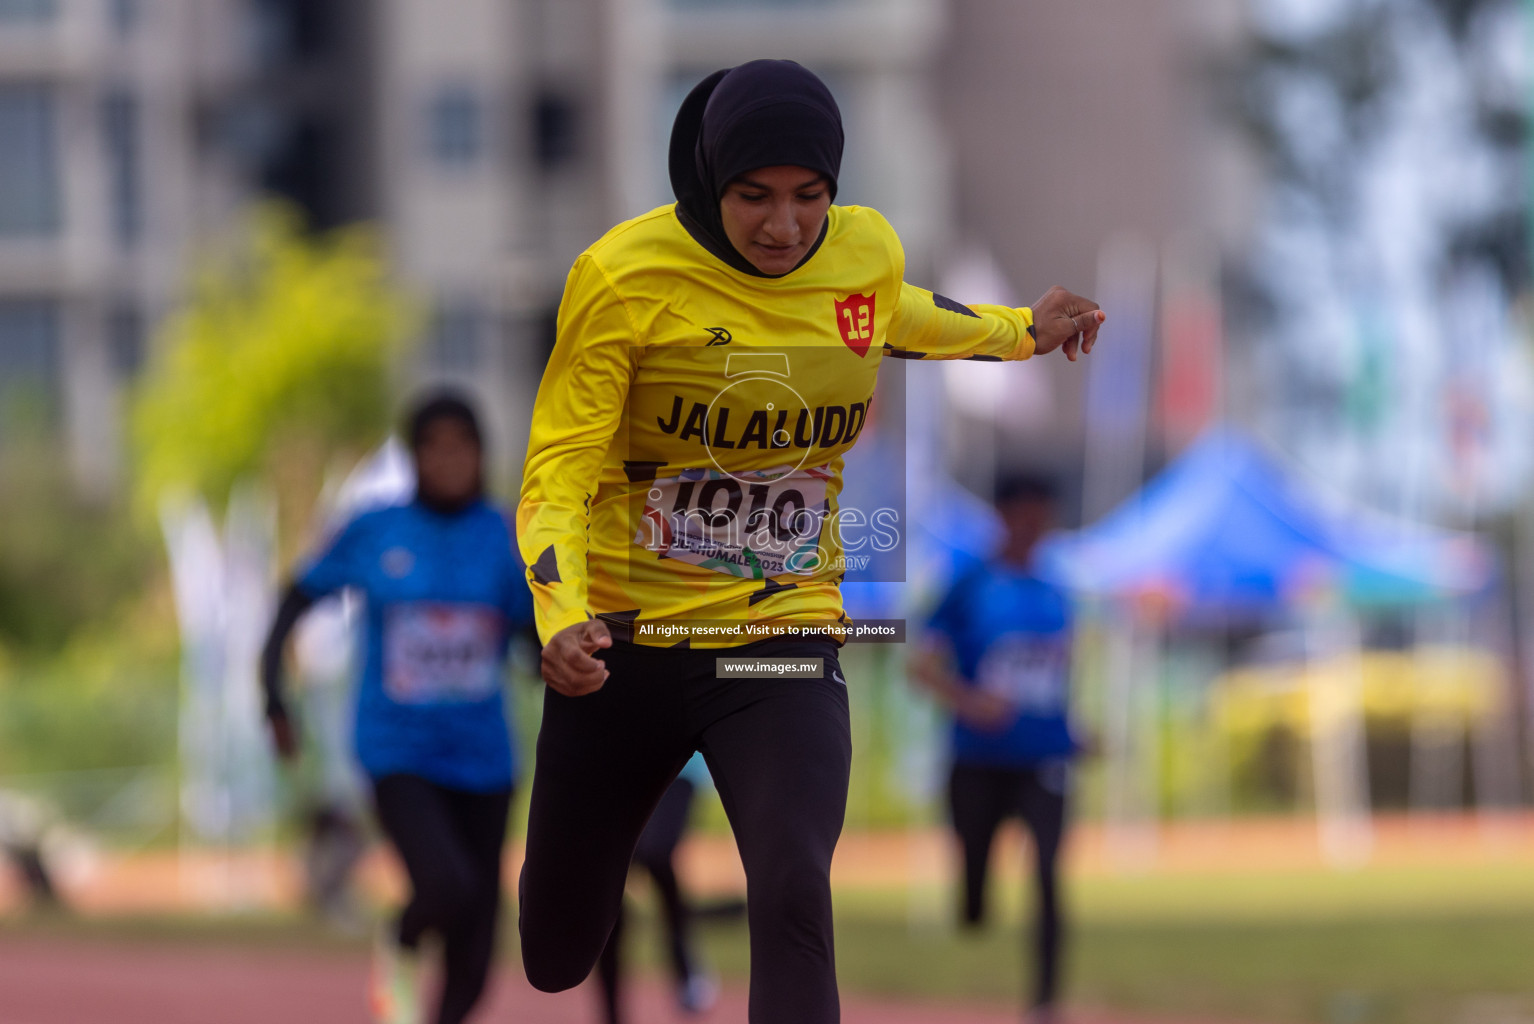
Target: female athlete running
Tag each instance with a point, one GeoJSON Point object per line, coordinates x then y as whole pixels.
{"type": "Point", "coordinates": [444, 591]}
{"type": "Point", "coordinates": [714, 361]}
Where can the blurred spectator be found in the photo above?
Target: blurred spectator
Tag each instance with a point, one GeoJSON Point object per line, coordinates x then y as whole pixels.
{"type": "Point", "coordinates": [336, 843]}
{"type": "Point", "coordinates": [24, 827]}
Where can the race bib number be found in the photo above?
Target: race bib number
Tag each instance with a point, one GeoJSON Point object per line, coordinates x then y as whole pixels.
{"type": "Point", "coordinates": [439, 653]}
{"type": "Point", "coordinates": [751, 524]}
{"type": "Point", "coordinates": [1029, 672]}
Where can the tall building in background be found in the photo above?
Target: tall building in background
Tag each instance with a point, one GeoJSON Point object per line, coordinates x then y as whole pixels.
{"type": "Point", "coordinates": [300, 116]}
{"type": "Point", "coordinates": [131, 133]}
{"type": "Point", "coordinates": [492, 140]}
{"type": "Point", "coordinates": [451, 104]}
{"type": "Point", "coordinates": [108, 168]}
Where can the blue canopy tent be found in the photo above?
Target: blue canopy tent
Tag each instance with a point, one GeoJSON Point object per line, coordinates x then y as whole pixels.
{"type": "Point", "coordinates": [1225, 531]}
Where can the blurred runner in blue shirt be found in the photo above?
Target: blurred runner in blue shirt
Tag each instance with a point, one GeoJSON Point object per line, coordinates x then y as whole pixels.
{"type": "Point", "coordinates": [443, 591]}
{"type": "Point", "coordinates": [997, 656]}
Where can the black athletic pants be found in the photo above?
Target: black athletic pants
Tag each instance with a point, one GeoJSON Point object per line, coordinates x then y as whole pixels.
{"type": "Point", "coordinates": [655, 853]}
{"type": "Point", "coordinates": [779, 750]}
{"type": "Point", "coordinates": [981, 797]}
{"type": "Point", "coordinates": [450, 841]}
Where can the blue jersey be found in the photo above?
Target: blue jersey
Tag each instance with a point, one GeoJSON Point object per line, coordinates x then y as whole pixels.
{"type": "Point", "coordinates": [1011, 632]}
{"type": "Point", "coordinates": [442, 594]}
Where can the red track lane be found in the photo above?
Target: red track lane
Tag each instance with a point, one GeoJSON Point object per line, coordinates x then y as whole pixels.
{"type": "Point", "coordinates": [51, 981]}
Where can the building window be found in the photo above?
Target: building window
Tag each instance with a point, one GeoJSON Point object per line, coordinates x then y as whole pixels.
{"type": "Point", "coordinates": [123, 15]}
{"type": "Point", "coordinates": [283, 31]}
{"type": "Point", "coordinates": [736, 5]}
{"type": "Point", "coordinates": [119, 118]}
{"type": "Point", "coordinates": [29, 365]}
{"type": "Point", "coordinates": [27, 10]}
{"type": "Point", "coordinates": [29, 178]}
{"type": "Point", "coordinates": [456, 126]}
{"type": "Point", "coordinates": [125, 340]}
{"type": "Point", "coordinates": [457, 337]}
{"type": "Point", "coordinates": [556, 130]}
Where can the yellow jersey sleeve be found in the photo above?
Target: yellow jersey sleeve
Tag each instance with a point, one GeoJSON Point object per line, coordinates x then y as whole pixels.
{"type": "Point", "coordinates": [576, 417]}
{"type": "Point", "coordinates": [927, 325]}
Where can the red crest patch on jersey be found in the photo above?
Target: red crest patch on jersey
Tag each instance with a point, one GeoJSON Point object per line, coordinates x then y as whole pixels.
{"type": "Point", "coordinates": [855, 321]}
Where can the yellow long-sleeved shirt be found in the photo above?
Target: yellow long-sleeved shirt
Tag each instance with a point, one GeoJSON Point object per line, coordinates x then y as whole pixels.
{"type": "Point", "coordinates": [687, 439]}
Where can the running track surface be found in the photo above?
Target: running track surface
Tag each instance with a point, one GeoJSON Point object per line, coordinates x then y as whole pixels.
{"type": "Point", "coordinates": [49, 981]}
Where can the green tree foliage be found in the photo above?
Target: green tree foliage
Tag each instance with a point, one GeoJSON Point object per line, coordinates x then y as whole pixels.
{"type": "Point", "coordinates": [65, 561]}
{"type": "Point", "coordinates": [279, 359]}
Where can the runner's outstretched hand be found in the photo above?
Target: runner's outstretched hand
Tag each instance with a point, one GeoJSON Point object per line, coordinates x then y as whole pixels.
{"type": "Point", "coordinates": [1064, 320]}
{"type": "Point", "coordinates": [568, 665]}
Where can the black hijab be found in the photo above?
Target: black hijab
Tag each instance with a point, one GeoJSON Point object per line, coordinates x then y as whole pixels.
{"type": "Point", "coordinates": [761, 114]}
{"type": "Point", "coordinates": [443, 405]}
